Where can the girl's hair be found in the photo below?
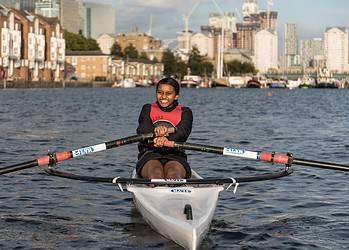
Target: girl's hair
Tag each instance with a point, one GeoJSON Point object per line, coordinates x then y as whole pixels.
{"type": "Point", "coordinates": [170, 81]}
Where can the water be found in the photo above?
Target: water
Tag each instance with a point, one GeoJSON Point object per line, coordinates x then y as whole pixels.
{"type": "Point", "coordinates": [308, 210]}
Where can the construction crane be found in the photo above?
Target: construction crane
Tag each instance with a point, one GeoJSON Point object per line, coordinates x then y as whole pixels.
{"type": "Point", "coordinates": [150, 24]}
{"type": "Point", "coordinates": [186, 27]}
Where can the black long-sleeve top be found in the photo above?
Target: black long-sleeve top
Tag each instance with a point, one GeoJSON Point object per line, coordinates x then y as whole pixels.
{"type": "Point", "coordinates": [183, 130]}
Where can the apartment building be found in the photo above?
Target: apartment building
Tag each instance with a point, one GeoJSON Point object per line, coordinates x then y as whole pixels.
{"type": "Point", "coordinates": [142, 42]}
{"type": "Point", "coordinates": [32, 47]}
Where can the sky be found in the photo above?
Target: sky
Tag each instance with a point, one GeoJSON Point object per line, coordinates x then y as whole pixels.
{"type": "Point", "coordinates": [311, 16]}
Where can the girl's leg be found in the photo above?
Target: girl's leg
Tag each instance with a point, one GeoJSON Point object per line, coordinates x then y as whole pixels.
{"type": "Point", "coordinates": [153, 169]}
{"type": "Point", "coordinates": [174, 170]}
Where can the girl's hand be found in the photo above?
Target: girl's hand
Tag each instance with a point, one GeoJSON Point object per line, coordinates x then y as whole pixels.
{"type": "Point", "coordinates": [159, 141]}
{"type": "Point", "coordinates": [161, 131]}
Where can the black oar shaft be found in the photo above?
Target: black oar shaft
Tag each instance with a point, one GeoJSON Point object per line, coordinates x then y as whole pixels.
{"type": "Point", "coordinates": [258, 155]}
{"type": "Point", "coordinates": [320, 164]}
{"type": "Point", "coordinates": [18, 167]}
{"type": "Point", "coordinates": [199, 147]}
{"type": "Point", "coordinates": [65, 155]}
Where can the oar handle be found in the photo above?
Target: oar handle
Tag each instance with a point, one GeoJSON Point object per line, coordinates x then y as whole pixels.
{"type": "Point", "coordinates": [271, 157]}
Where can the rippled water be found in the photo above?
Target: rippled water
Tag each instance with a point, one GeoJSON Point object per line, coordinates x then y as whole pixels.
{"type": "Point", "coordinates": [308, 210]}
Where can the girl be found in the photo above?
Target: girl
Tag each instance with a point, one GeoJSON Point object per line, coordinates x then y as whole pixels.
{"type": "Point", "coordinates": [154, 160]}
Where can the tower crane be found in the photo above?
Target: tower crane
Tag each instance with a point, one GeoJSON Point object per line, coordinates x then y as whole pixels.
{"type": "Point", "coordinates": [186, 26]}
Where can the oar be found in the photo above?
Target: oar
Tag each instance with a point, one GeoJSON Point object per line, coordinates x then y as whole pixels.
{"type": "Point", "coordinates": [257, 155]}
{"type": "Point", "coordinates": [54, 158]}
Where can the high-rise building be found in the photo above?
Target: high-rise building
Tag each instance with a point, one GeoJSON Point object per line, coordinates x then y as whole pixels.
{"type": "Point", "coordinates": [28, 5]}
{"type": "Point", "coordinates": [71, 15]}
{"type": "Point", "coordinates": [216, 20]}
{"type": "Point", "coordinates": [98, 19]}
{"type": "Point", "coordinates": [291, 49]}
{"type": "Point", "coordinates": [336, 49]}
{"type": "Point", "coordinates": [246, 35]}
{"type": "Point", "coordinates": [48, 8]}
{"type": "Point", "coordinates": [269, 19]}
{"type": "Point", "coordinates": [312, 52]}
{"type": "Point", "coordinates": [253, 21]}
{"type": "Point", "coordinates": [266, 50]}
{"type": "Point", "coordinates": [10, 3]}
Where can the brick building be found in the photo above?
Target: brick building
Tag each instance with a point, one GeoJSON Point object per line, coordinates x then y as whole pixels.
{"type": "Point", "coordinates": [32, 47]}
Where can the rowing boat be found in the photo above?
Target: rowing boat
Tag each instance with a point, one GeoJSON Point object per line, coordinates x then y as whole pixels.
{"type": "Point", "coordinates": [182, 214]}
{"type": "Point", "coordinates": [181, 210]}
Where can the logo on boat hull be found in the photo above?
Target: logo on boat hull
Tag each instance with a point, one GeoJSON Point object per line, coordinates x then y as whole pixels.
{"type": "Point", "coordinates": [180, 190]}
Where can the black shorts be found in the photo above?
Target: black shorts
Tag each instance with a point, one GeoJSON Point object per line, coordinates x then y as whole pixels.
{"type": "Point", "coordinates": [147, 156]}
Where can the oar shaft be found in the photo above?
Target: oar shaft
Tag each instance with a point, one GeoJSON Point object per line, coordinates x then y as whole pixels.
{"type": "Point", "coordinates": [257, 155]}
{"type": "Point", "coordinates": [65, 155]}
{"type": "Point", "coordinates": [18, 167]}
{"type": "Point", "coordinates": [320, 164]}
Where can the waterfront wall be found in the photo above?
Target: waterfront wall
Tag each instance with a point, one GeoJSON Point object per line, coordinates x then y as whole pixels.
{"type": "Point", "coordinates": [46, 84]}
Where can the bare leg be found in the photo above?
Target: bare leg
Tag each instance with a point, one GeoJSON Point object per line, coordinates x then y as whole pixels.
{"type": "Point", "coordinates": [174, 170]}
{"type": "Point", "coordinates": [153, 170]}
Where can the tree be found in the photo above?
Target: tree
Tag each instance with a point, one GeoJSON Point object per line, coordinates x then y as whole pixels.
{"type": "Point", "coordinates": [198, 64]}
{"type": "Point", "coordinates": [237, 68]}
{"type": "Point", "coordinates": [116, 50]}
{"type": "Point", "coordinates": [181, 68]}
{"type": "Point", "coordinates": [144, 56]}
{"type": "Point", "coordinates": [131, 52]}
{"type": "Point", "coordinates": [169, 61]}
{"type": "Point", "coordinates": [77, 42]}
{"type": "Point", "coordinates": [92, 44]}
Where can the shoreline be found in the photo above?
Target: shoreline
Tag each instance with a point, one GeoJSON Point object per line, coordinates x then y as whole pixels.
{"type": "Point", "coordinates": [45, 84]}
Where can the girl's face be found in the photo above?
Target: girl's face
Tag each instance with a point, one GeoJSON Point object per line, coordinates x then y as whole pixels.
{"type": "Point", "coordinates": [166, 95]}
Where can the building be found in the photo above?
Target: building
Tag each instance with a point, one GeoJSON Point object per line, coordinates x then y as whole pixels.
{"type": "Point", "coordinates": [138, 70]}
{"type": "Point", "coordinates": [246, 35]}
{"type": "Point", "coordinates": [291, 49]}
{"type": "Point", "coordinates": [237, 55]}
{"type": "Point", "coordinates": [266, 51]}
{"type": "Point", "coordinates": [312, 53]}
{"type": "Point", "coordinates": [253, 21]}
{"type": "Point", "coordinates": [10, 3]}
{"type": "Point", "coordinates": [268, 20]}
{"type": "Point", "coordinates": [88, 65]}
{"type": "Point", "coordinates": [204, 43]}
{"type": "Point", "coordinates": [71, 15]}
{"type": "Point", "coordinates": [47, 8]}
{"type": "Point", "coordinates": [336, 49]}
{"type": "Point", "coordinates": [98, 19]}
{"type": "Point", "coordinates": [28, 5]}
{"type": "Point", "coordinates": [105, 42]}
{"type": "Point", "coordinates": [228, 21]}
{"type": "Point", "coordinates": [32, 48]}
{"type": "Point", "coordinates": [142, 42]}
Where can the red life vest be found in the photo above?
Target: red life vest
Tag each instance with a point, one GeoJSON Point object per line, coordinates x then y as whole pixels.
{"type": "Point", "coordinates": [173, 117]}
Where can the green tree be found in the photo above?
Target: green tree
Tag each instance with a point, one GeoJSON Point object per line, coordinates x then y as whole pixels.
{"type": "Point", "coordinates": [144, 56]}
{"type": "Point", "coordinates": [92, 44]}
{"type": "Point", "coordinates": [181, 68]}
{"type": "Point", "coordinates": [116, 50]}
{"type": "Point", "coordinates": [169, 61]}
{"type": "Point", "coordinates": [235, 67]}
{"type": "Point", "coordinates": [130, 52]}
{"type": "Point", "coordinates": [198, 64]}
{"type": "Point", "coordinates": [77, 42]}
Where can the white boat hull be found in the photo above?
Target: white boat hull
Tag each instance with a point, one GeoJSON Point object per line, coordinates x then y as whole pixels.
{"type": "Point", "coordinates": [163, 209]}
